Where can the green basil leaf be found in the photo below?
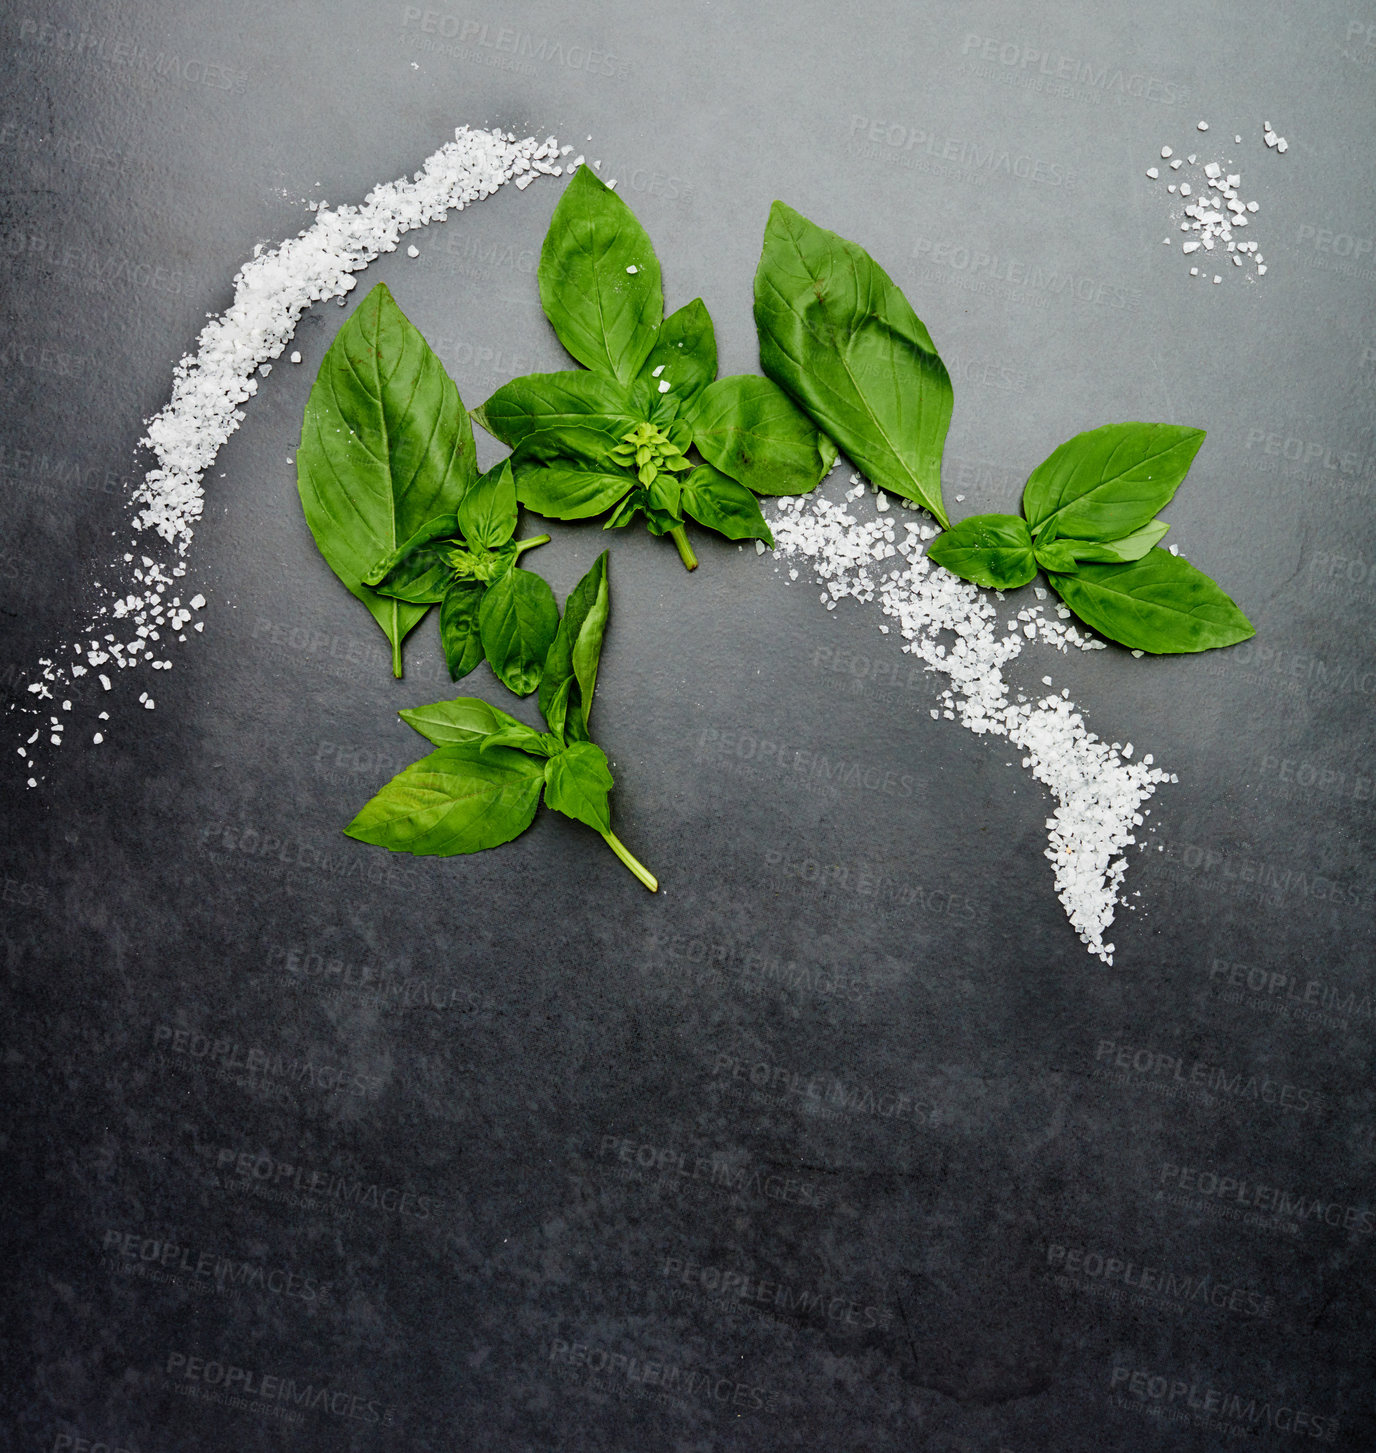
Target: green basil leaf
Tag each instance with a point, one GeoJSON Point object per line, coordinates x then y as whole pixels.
{"type": "Point", "coordinates": [626, 511]}
{"type": "Point", "coordinates": [459, 634]}
{"type": "Point", "coordinates": [442, 527]}
{"type": "Point", "coordinates": [663, 494]}
{"type": "Point", "coordinates": [718, 502]}
{"type": "Point", "coordinates": [685, 355]}
{"type": "Point", "coordinates": [1056, 555]}
{"type": "Point", "coordinates": [599, 279]}
{"type": "Point", "coordinates": [518, 618]}
{"type": "Point", "coordinates": [385, 447]}
{"type": "Point", "coordinates": [559, 405]}
{"type": "Point", "coordinates": [570, 676]}
{"type": "Point", "coordinates": [421, 578]}
{"type": "Point", "coordinates": [1159, 603]}
{"type": "Point", "coordinates": [577, 782]}
{"type": "Point", "coordinates": [563, 491]}
{"type": "Point", "coordinates": [458, 799]}
{"type": "Point", "coordinates": [990, 550]}
{"type": "Point", "coordinates": [749, 428]}
{"type": "Point", "coordinates": [465, 719]}
{"type": "Point", "coordinates": [1130, 547]}
{"type": "Point", "coordinates": [843, 342]}
{"type": "Point", "coordinates": [1109, 482]}
{"type": "Point", "coordinates": [524, 738]}
{"type": "Point", "coordinates": [487, 513]}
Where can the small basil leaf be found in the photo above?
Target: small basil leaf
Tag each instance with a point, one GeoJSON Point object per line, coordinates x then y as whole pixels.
{"type": "Point", "coordinates": [583, 446]}
{"type": "Point", "coordinates": [487, 513]}
{"type": "Point", "coordinates": [522, 737]}
{"type": "Point", "coordinates": [421, 578]}
{"type": "Point", "coordinates": [568, 491]}
{"type": "Point", "coordinates": [663, 495]}
{"type": "Point", "coordinates": [465, 719]}
{"type": "Point", "coordinates": [558, 404]}
{"type": "Point", "coordinates": [571, 666]}
{"type": "Point", "coordinates": [685, 355]}
{"type": "Point", "coordinates": [991, 550]}
{"type": "Point", "coordinates": [750, 429]}
{"type": "Point", "coordinates": [843, 342]}
{"type": "Point", "coordinates": [459, 635]}
{"type": "Point", "coordinates": [714, 500]}
{"type": "Point", "coordinates": [1109, 482]}
{"type": "Point", "coordinates": [518, 618]}
{"type": "Point", "coordinates": [1160, 603]}
{"type": "Point", "coordinates": [1055, 555]}
{"type": "Point", "coordinates": [577, 782]}
{"type": "Point", "coordinates": [626, 511]}
{"type": "Point", "coordinates": [1130, 547]}
{"type": "Point", "coordinates": [599, 279]}
{"type": "Point", "coordinates": [442, 527]}
{"type": "Point", "coordinates": [385, 447]}
{"type": "Point", "coordinates": [459, 799]}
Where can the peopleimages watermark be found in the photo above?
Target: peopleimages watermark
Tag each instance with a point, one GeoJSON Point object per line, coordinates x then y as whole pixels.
{"type": "Point", "coordinates": [894, 140]}
{"type": "Point", "coordinates": [248, 1389]}
{"type": "Point", "coordinates": [257, 1172]}
{"type": "Point", "coordinates": [1221, 1408]}
{"type": "Point", "coordinates": [822, 1091]}
{"type": "Point", "coordinates": [229, 1057]}
{"type": "Point", "coordinates": [504, 47]}
{"type": "Point", "coordinates": [991, 270]}
{"type": "Point", "coordinates": [1285, 992]}
{"type": "Point", "coordinates": [716, 1170]}
{"type": "Point", "coordinates": [1151, 1285]}
{"type": "Point", "coordinates": [728, 1288]}
{"type": "Point", "coordinates": [1129, 1061]}
{"type": "Point", "coordinates": [1053, 67]}
{"type": "Point", "coordinates": [678, 1384]}
{"type": "Point", "coordinates": [131, 1252]}
{"type": "Point", "coordinates": [1250, 1194]}
{"type": "Point", "coordinates": [816, 768]}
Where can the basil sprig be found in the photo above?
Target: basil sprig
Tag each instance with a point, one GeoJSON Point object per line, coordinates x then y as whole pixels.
{"type": "Point", "coordinates": [385, 447]}
{"type": "Point", "coordinates": [465, 563]}
{"type": "Point", "coordinates": [481, 786]}
{"type": "Point", "coordinates": [1090, 525]}
{"type": "Point", "coordinates": [646, 429]}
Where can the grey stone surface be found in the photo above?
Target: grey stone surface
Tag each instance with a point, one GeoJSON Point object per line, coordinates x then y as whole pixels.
{"type": "Point", "coordinates": [539, 1161]}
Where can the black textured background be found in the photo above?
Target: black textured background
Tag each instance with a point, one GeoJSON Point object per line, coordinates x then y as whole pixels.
{"type": "Point", "coordinates": [569, 1218]}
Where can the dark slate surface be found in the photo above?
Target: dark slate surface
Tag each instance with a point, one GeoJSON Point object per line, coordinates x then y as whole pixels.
{"type": "Point", "coordinates": [562, 1181]}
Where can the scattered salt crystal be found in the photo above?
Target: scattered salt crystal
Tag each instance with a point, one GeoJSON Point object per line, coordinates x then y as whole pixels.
{"type": "Point", "coordinates": [664, 385]}
{"type": "Point", "coordinates": [657, 370]}
{"type": "Point", "coordinates": [1153, 173]}
{"type": "Point", "coordinates": [1203, 126]}
{"type": "Point", "coordinates": [98, 738]}
{"type": "Point", "coordinates": [1165, 152]}
{"type": "Point", "coordinates": [759, 547]}
{"type": "Point", "coordinates": [272, 290]}
{"type": "Point", "coordinates": [413, 250]}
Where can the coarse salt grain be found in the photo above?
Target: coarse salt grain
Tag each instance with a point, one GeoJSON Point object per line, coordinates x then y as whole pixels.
{"type": "Point", "coordinates": [1099, 794]}
{"type": "Point", "coordinates": [271, 292]}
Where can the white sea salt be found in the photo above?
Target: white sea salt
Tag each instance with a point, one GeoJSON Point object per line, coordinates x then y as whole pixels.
{"type": "Point", "coordinates": [1099, 794]}
{"type": "Point", "coordinates": [271, 292]}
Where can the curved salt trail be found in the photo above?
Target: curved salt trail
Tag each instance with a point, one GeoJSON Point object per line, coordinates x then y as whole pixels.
{"type": "Point", "coordinates": [1098, 791]}
{"type": "Point", "coordinates": [271, 292]}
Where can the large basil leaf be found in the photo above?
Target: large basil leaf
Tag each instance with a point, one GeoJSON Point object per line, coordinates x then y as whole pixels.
{"type": "Point", "coordinates": [1109, 482]}
{"type": "Point", "coordinates": [558, 405]}
{"type": "Point", "coordinates": [487, 513]}
{"type": "Point", "coordinates": [459, 799]}
{"type": "Point", "coordinates": [465, 719]}
{"type": "Point", "coordinates": [567, 492]}
{"type": "Point", "coordinates": [750, 429]}
{"type": "Point", "coordinates": [422, 577]}
{"type": "Point", "coordinates": [517, 620]}
{"type": "Point", "coordinates": [714, 500]}
{"type": "Point", "coordinates": [843, 342]}
{"type": "Point", "coordinates": [570, 675]}
{"type": "Point", "coordinates": [575, 444]}
{"type": "Point", "coordinates": [599, 279]}
{"type": "Point", "coordinates": [459, 633]}
{"type": "Point", "coordinates": [1159, 603]}
{"type": "Point", "coordinates": [990, 550]}
{"type": "Point", "coordinates": [577, 782]}
{"type": "Point", "coordinates": [385, 447]}
{"type": "Point", "coordinates": [1055, 555]}
{"type": "Point", "coordinates": [684, 357]}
